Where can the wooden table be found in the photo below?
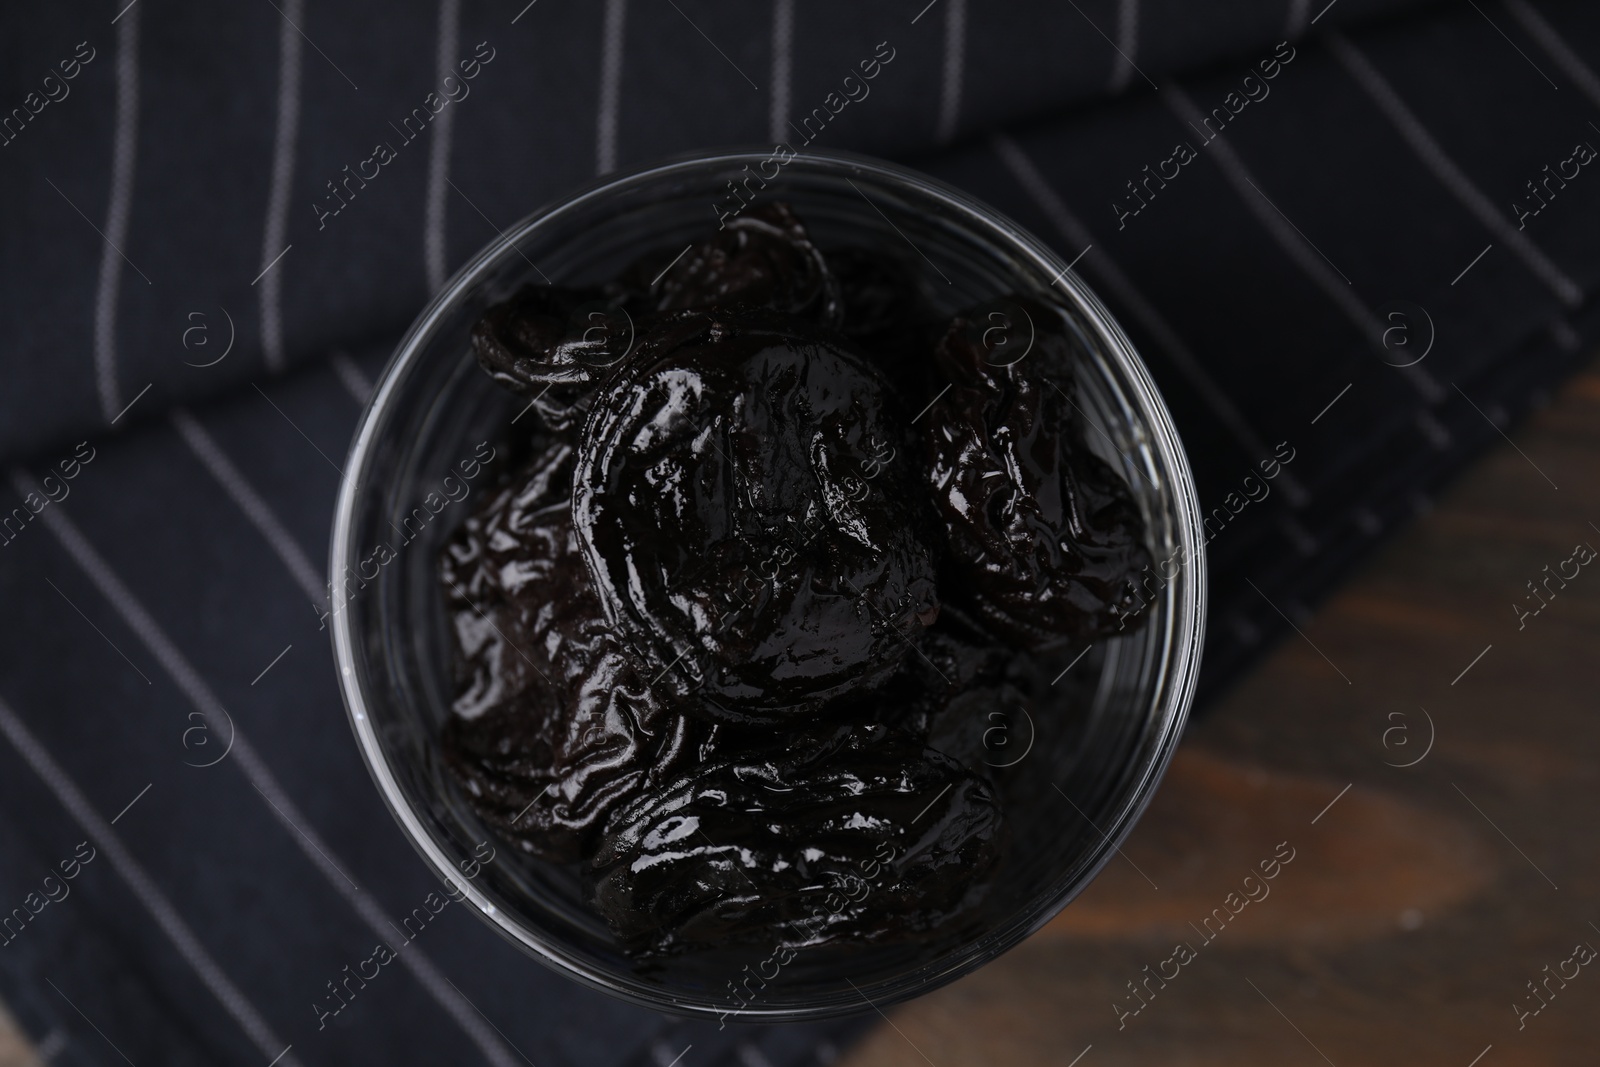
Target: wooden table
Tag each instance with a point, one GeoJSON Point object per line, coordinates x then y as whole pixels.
{"type": "Point", "coordinates": [1421, 900]}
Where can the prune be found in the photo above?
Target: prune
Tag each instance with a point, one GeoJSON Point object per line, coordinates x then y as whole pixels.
{"type": "Point", "coordinates": [553, 343]}
{"type": "Point", "coordinates": [554, 721]}
{"type": "Point", "coordinates": [764, 258]}
{"type": "Point", "coordinates": [536, 776]}
{"type": "Point", "coordinates": [884, 312]}
{"type": "Point", "coordinates": [744, 521]}
{"type": "Point", "coordinates": [861, 834]}
{"type": "Point", "coordinates": [733, 642]}
{"type": "Point", "coordinates": [953, 656]}
{"type": "Point", "coordinates": [1044, 538]}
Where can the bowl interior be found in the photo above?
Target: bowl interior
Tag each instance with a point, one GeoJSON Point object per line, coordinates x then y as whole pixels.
{"type": "Point", "coordinates": [1085, 763]}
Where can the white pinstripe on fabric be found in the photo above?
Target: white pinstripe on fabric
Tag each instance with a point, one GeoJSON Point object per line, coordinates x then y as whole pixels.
{"type": "Point", "coordinates": [434, 215]}
{"type": "Point", "coordinates": [206, 449]}
{"type": "Point", "coordinates": [955, 61]}
{"type": "Point", "coordinates": [52, 1045]}
{"type": "Point", "coordinates": [1564, 335]}
{"type": "Point", "coordinates": [276, 227]}
{"type": "Point", "coordinates": [1577, 71]}
{"type": "Point", "coordinates": [357, 384]}
{"type": "Point", "coordinates": [1299, 17]}
{"type": "Point", "coordinates": [751, 1056]}
{"type": "Point", "coordinates": [1436, 432]}
{"type": "Point", "coordinates": [1298, 536]}
{"type": "Point", "coordinates": [1451, 176]}
{"type": "Point", "coordinates": [260, 776]}
{"type": "Point", "coordinates": [124, 146]}
{"type": "Point", "coordinates": [605, 136]}
{"type": "Point", "coordinates": [1245, 186]}
{"type": "Point", "coordinates": [1296, 246]}
{"type": "Point", "coordinates": [143, 887]}
{"type": "Point", "coordinates": [1127, 44]}
{"type": "Point", "coordinates": [1128, 295]}
{"type": "Point", "coordinates": [782, 63]}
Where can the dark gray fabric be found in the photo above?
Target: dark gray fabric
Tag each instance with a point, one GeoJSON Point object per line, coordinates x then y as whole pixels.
{"type": "Point", "coordinates": [186, 555]}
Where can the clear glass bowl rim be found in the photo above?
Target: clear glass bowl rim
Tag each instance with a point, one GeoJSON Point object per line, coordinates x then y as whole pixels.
{"type": "Point", "coordinates": [1182, 653]}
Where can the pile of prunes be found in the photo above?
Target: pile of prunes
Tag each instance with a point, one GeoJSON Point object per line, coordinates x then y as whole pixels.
{"type": "Point", "coordinates": [727, 630]}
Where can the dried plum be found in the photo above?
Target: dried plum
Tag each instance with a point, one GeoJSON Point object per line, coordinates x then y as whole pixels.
{"type": "Point", "coordinates": [742, 520]}
{"type": "Point", "coordinates": [863, 834]}
{"type": "Point", "coordinates": [554, 721]}
{"type": "Point", "coordinates": [1044, 538]}
{"type": "Point", "coordinates": [732, 642]}
{"type": "Point", "coordinates": [884, 311]}
{"type": "Point", "coordinates": [555, 344]}
{"type": "Point", "coordinates": [953, 656]}
{"type": "Point", "coordinates": [547, 783]}
{"type": "Point", "coordinates": [763, 259]}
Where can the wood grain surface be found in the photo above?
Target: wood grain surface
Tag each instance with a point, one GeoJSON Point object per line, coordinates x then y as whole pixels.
{"type": "Point", "coordinates": [1419, 906]}
{"type": "Point", "coordinates": [14, 1048]}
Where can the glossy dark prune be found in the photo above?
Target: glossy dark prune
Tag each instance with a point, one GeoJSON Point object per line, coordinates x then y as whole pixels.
{"type": "Point", "coordinates": [554, 722]}
{"type": "Point", "coordinates": [861, 834]}
{"type": "Point", "coordinates": [538, 778]}
{"type": "Point", "coordinates": [555, 344]}
{"type": "Point", "coordinates": [1045, 540]}
{"type": "Point", "coordinates": [720, 646]}
{"type": "Point", "coordinates": [952, 657]}
{"type": "Point", "coordinates": [745, 522]}
{"type": "Point", "coordinates": [884, 312]}
{"type": "Point", "coordinates": [511, 539]}
{"type": "Point", "coordinates": [762, 259]}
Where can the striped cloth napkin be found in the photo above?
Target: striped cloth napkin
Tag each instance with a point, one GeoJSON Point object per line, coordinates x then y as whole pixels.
{"type": "Point", "coordinates": [1354, 241]}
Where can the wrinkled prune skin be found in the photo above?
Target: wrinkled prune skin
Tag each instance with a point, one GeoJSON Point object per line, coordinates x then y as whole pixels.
{"type": "Point", "coordinates": [558, 344]}
{"type": "Point", "coordinates": [555, 344]}
{"type": "Point", "coordinates": [742, 644]}
{"type": "Point", "coordinates": [547, 784]}
{"type": "Point", "coordinates": [554, 721]}
{"type": "Point", "coordinates": [744, 522]}
{"type": "Point", "coordinates": [862, 834]}
{"type": "Point", "coordinates": [884, 312]}
{"type": "Point", "coordinates": [1045, 540]}
{"type": "Point", "coordinates": [764, 259]}
{"type": "Point", "coordinates": [953, 656]}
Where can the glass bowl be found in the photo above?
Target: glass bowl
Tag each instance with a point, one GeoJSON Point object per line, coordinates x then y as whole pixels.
{"type": "Point", "coordinates": [1082, 777]}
